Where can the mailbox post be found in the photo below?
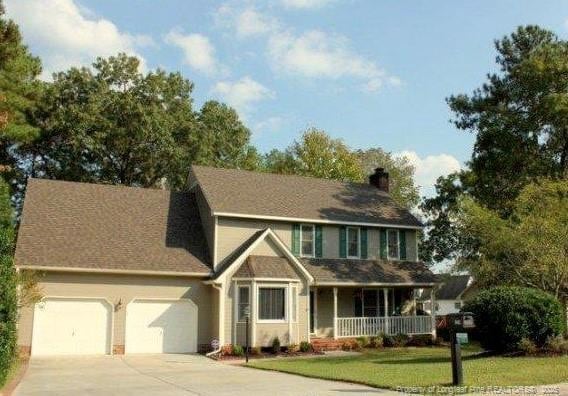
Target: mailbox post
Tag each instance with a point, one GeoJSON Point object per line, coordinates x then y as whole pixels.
{"type": "Point", "coordinates": [463, 320]}
{"type": "Point", "coordinates": [247, 346]}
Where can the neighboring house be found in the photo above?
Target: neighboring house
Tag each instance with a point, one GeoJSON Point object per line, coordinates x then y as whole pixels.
{"type": "Point", "coordinates": [129, 270]}
{"type": "Point", "coordinates": [450, 296]}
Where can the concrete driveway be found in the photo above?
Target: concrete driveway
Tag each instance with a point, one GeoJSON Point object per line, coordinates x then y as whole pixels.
{"type": "Point", "coordinates": [168, 375]}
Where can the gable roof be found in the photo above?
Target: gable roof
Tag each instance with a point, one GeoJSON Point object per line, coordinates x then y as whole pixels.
{"type": "Point", "coordinates": [67, 225]}
{"type": "Point", "coordinates": [452, 287]}
{"type": "Point", "coordinates": [266, 267]}
{"type": "Point", "coordinates": [355, 271]}
{"type": "Point", "coordinates": [266, 195]}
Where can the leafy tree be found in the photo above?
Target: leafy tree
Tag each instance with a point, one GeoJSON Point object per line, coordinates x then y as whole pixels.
{"type": "Point", "coordinates": [401, 174]}
{"type": "Point", "coordinates": [18, 89]}
{"type": "Point", "coordinates": [529, 248]}
{"type": "Point", "coordinates": [8, 282]}
{"type": "Point", "coordinates": [520, 119]}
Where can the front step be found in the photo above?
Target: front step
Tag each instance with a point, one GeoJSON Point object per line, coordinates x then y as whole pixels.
{"type": "Point", "coordinates": [328, 344]}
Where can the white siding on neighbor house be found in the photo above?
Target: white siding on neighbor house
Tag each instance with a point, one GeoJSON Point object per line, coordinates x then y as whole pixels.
{"type": "Point", "coordinates": [445, 307]}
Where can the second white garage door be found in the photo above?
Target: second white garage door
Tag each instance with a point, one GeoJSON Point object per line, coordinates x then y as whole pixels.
{"type": "Point", "coordinates": [161, 326]}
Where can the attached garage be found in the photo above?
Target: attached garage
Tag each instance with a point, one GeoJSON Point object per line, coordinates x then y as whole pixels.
{"type": "Point", "coordinates": [161, 326]}
{"type": "Point", "coordinates": [72, 326]}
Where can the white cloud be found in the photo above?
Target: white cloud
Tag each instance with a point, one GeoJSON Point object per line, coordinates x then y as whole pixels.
{"type": "Point", "coordinates": [429, 168]}
{"type": "Point", "coordinates": [198, 51]}
{"type": "Point", "coordinates": [306, 3]}
{"type": "Point", "coordinates": [247, 22]}
{"type": "Point", "coordinates": [271, 124]}
{"type": "Point", "coordinates": [319, 55]}
{"type": "Point", "coordinates": [65, 34]}
{"type": "Point", "coordinates": [241, 94]}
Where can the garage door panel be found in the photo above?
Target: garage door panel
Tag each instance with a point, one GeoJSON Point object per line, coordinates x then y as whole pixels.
{"type": "Point", "coordinates": [71, 327]}
{"type": "Point", "coordinates": [154, 326]}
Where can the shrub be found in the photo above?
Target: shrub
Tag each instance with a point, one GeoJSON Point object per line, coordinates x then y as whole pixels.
{"type": "Point", "coordinates": [363, 341]}
{"type": "Point", "coordinates": [557, 344]}
{"type": "Point", "coordinates": [276, 345]}
{"type": "Point", "coordinates": [227, 350]}
{"type": "Point", "coordinates": [305, 346]}
{"type": "Point", "coordinates": [505, 315]}
{"type": "Point", "coordinates": [420, 340]}
{"type": "Point", "coordinates": [238, 350]}
{"type": "Point", "coordinates": [351, 345]}
{"type": "Point", "coordinates": [358, 344]}
{"type": "Point", "coordinates": [389, 341]}
{"type": "Point", "coordinates": [401, 340]}
{"type": "Point", "coordinates": [527, 347]}
{"type": "Point", "coordinates": [293, 348]}
{"type": "Point", "coordinates": [255, 351]}
{"type": "Point", "coordinates": [376, 341]}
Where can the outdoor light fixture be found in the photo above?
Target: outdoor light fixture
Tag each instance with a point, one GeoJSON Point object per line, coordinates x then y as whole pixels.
{"type": "Point", "coordinates": [118, 305]}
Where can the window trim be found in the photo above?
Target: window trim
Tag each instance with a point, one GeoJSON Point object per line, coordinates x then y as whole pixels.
{"type": "Point", "coordinates": [347, 242]}
{"type": "Point", "coordinates": [313, 227]}
{"type": "Point", "coordinates": [397, 244]}
{"type": "Point", "coordinates": [239, 302]}
{"type": "Point", "coordinates": [286, 303]}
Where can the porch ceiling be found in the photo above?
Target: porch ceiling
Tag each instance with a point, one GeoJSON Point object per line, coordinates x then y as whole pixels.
{"type": "Point", "coordinates": [368, 271]}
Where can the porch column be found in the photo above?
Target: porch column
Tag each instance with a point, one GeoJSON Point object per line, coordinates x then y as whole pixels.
{"type": "Point", "coordinates": [253, 313]}
{"type": "Point", "coordinates": [433, 312]}
{"type": "Point", "coordinates": [335, 312]}
{"type": "Point", "coordinates": [386, 303]}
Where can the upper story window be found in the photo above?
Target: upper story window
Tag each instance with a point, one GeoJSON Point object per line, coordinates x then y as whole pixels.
{"type": "Point", "coordinates": [307, 244]}
{"type": "Point", "coordinates": [353, 242]}
{"type": "Point", "coordinates": [393, 245]}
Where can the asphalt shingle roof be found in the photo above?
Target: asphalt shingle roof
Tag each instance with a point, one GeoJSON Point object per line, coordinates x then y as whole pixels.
{"type": "Point", "coordinates": [266, 267]}
{"type": "Point", "coordinates": [80, 225]}
{"type": "Point", "coordinates": [267, 194]}
{"type": "Point", "coordinates": [452, 287]}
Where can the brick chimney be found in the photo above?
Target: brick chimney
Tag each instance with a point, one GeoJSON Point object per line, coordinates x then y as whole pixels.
{"type": "Point", "coordinates": [380, 179]}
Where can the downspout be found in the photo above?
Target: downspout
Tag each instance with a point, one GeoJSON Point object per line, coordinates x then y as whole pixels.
{"type": "Point", "coordinates": [221, 326]}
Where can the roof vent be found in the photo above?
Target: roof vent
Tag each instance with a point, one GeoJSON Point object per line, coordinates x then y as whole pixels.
{"type": "Point", "coordinates": [380, 179]}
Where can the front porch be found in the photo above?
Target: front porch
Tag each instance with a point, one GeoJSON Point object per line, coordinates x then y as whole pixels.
{"type": "Point", "coordinates": [347, 312]}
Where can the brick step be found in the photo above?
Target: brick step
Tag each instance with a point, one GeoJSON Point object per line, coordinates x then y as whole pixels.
{"type": "Point", "coordinates": [327, 344]}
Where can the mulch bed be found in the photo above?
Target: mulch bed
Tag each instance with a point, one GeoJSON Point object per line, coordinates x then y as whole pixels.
{"type": "Point", "coordinates": [266, 355]}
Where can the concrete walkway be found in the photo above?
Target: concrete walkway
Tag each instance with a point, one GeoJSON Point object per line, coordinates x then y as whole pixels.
{"type": "Point", "coordinates": [168, 375]}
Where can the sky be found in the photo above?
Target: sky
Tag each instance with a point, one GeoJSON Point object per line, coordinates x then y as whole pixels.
{"type": "Point", "coordinates": [373, 73]}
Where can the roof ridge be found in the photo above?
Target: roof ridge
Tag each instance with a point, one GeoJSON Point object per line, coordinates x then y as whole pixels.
{"type": "Point", "coordinates": [117, 186]}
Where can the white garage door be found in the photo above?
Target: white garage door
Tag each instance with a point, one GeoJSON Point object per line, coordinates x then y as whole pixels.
{"type": "Point", "coordinates": [158, 326]}
{"type": "Point", "coordinates": [72, 327]}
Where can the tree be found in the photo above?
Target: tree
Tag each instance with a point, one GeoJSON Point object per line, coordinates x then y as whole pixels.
{"type": "Point", "coordinates": [529, 248]}
{"type": "Point", "coordinates": [520, 119]}
{"type": "Point", "coordinates": [401, 174]}
{"type": "Point", "coordinates": [19, 89]}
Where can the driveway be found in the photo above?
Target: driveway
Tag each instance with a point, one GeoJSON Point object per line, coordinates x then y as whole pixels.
{"type": "Point", "coordinates": [168, 375]}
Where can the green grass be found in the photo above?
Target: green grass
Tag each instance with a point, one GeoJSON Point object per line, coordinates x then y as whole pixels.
{"type": "Point", "coordinates": [394, 367]}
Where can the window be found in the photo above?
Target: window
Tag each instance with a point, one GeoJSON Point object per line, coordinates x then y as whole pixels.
{"type": "Point", "coordinates": [393, 244]}
{"type": "Point", "coordinates": [307, 240]}
{"type": "Point", "coordinates": [272, 303]}
{"type": "Point", "coordinates": [352, 242]}
{"type": "Point", "coordinates": [457, 305]}
{"type": "Point", "coordinates": [243, 302]}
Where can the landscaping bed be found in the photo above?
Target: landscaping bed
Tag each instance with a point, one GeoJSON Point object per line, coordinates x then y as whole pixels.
{"type": "Point", "coordinates": [237, 352]}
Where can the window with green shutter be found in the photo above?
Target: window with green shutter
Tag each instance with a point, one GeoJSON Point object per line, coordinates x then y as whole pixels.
{"type": "Point", "coordinates": [402, 244]}
{"type": "Point", "coordinates": [342, 242]}
{"type": "Point", "coordinates": [296, 239]}
{"type": "Point", "coordinates": [383, 243]}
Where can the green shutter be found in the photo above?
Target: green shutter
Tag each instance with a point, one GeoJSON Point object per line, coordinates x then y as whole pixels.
{"type": "Point", "coordinates": [402, 243]}
{"type": "Point", "coordinates": [383, 246]}
{"type": "Point", "coordinates": [342, 242]}
{"type": "Point", "coordinates": [296, 239]}
{"type": "Point", "coordinates": [363, 243]}
{"type": "Point", "coordinates": [319, 242]}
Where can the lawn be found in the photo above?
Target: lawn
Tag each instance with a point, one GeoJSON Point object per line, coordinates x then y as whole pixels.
{"type": "Point", "coordinates": [428, 366]}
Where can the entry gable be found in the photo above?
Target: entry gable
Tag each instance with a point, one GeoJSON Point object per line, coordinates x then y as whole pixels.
{"type": "Point", "coordinates": [266, 242]}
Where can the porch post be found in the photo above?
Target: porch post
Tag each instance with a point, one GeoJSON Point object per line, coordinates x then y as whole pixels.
{"type": "Point", "coordinates": [335, 312]}
{"type": "Point", "coordinates": [386, 303]}
{"type": "Point", "coordinates": [253, 313]}
{"type": "Point", "coordinates": [433, 312]}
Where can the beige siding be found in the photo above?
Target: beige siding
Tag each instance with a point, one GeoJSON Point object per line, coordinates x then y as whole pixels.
{"type": "Point", "coordinates": [345, 308]}
{"type": "Point", "coordinates": [267, 248]}
{"type": "Point", "coordinates": [123, 288]}
{"type": "Point", "coordinates": [232, 233]}
{"type": "Point", "coordinates": [207, 221]}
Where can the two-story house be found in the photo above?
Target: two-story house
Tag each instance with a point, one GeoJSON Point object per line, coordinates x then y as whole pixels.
{"type": "Point", "coordinates": [127, 270]}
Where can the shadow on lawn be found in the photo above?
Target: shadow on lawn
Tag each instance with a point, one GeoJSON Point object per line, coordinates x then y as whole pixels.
{"type": "Point", "coordinates": [424, 360]}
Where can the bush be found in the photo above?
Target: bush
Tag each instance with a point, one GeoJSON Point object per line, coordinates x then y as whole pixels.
{"type": "Point", "coordinates": [255, 351]}
{"type": "Point", "coordinates": [276, 345]}
{"type": "Point", "coordinates": [388, 341]}
{"type": "Point", "coordinates": [358, 344]}
{"type": "Point", "coordinates": [227, 350]}
{"type": "Point", "coordinates": [305, 346]}
{"type": "Point", "coordinates": [505, 315]}
{"type": "Point", "coordinates": [527, 347]}
{"type": "Point", "coordinates": [401, 340]}
{"type": "Point", "coordinates": [557, 345]}
{"type": "Point", "coordinates": [237, 350]}
{"type": "Point", "coordinates": [363, 341]}
{"type": "Point", "coordinates": [293, 348]}
{"type": "Point", "coordinates": [420, 340]}
{"type": "Point", "coordinates": [376, 342]}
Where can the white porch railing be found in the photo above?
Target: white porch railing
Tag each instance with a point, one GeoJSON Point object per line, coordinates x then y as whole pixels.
{"type": "Point", "coordinates": [371, 326]}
